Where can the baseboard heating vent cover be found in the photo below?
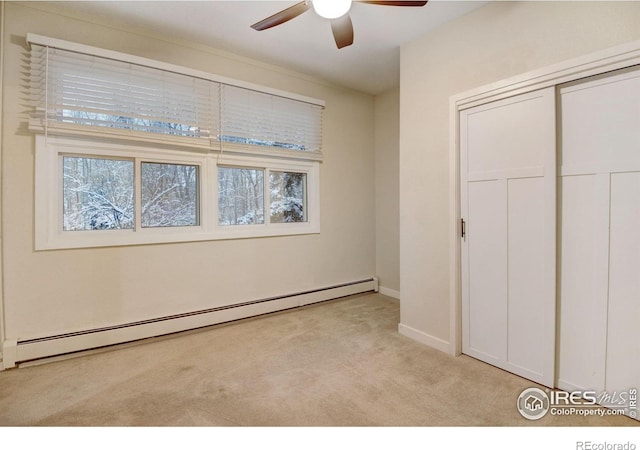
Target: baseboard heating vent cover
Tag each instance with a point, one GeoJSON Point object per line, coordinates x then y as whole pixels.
{"type": "Point", "coordinates": [42, 347]}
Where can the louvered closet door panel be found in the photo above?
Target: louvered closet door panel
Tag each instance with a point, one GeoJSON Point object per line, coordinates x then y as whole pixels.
{"type": "Point", "coordinates": [508, 257]}
{"type": "Point", "coordinates": [599, 231]}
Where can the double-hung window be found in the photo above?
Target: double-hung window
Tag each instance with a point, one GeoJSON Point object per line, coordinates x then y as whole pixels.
{"type": "Point", "coordinates": [135, 151]}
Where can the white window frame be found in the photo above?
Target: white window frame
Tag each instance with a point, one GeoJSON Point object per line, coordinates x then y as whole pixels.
{"type": "Point", "coordinates": [312, 212]}
{"type": "Point", "coordinates": [49, 233]}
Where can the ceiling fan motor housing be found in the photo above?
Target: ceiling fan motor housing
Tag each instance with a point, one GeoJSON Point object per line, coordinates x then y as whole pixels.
{"type": "Point", "coordinates": [335, 10]}
{"type": "Point", "coordinates": [331, 9]}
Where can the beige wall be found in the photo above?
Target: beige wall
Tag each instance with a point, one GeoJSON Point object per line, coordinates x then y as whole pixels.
{"type": "Point", "coordinates": [495, 42]}
{"type": "Point", "coordinates": [387, 142]}
{"type": "Point", "coordinates": [58, 291]}
{"type": "Point", "coordinates": [2, 5]}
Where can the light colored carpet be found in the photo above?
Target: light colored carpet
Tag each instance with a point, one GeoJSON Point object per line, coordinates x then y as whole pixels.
{"type": "Point", "coordinates": [339, 363]}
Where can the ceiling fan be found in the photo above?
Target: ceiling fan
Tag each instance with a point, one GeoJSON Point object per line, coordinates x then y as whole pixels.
{"type": "Point", "coordinates": [335, 10]}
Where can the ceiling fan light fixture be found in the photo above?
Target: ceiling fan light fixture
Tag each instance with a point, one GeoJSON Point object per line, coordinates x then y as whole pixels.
{"type": "Point", "coordinates": [331, 9]}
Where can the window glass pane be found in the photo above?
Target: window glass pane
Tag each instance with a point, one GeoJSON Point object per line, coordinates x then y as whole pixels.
{"type": "Point", "coordinates": [240, 196]}
{"type": "Point", "coordinates": [288, 197]}
{"type": "Point", "coordinates": [169, 195]}
{"type": "Point", "coordinates": [129, 123]}
{"type": "Point", "coordinates": [97, 194]}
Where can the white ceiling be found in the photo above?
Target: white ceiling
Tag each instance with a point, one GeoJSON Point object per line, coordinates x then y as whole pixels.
{"type": "Point", "coordinates": [304, 44]}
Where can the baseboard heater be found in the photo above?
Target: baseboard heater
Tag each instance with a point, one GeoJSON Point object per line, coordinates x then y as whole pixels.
{"type": "Point", "coordinates": [23, 350]}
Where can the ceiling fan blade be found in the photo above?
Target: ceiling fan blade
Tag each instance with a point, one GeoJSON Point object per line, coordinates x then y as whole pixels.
{"type": "Point", "coordinates": [283, 16]}
{"type": "Point", "coordinates": [392, 3]}
{"type": "Point", "coordinates": [342, 31]}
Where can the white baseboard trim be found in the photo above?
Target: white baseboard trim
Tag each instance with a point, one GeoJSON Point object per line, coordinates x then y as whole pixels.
{"type": "Point", "coordinates": [23, 350]}
{"type": "Point", "coordinates": [390, 292]}
{"type": "Point", "coordinates": [569, 387]}
{"type": "Point", "coordinates": [9, 350]}
{"type": "Point", "coordinates": [424, 338]}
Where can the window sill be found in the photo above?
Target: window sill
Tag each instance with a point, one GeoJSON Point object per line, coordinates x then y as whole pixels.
{"type": "Point", "coordinates": [121, 238]}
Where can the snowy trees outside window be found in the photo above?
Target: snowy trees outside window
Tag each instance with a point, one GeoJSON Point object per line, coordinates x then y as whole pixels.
{"type": "Point", "coordinates": [97, 194]}
{"type": "Point", "coordinates": [240, 196]}
{"type": "Point", "coordinates": [169, 195]}
{"type": "Point", "coordinates": [130, 123]}
{"type": "Point", "coordinates": [287, 196]}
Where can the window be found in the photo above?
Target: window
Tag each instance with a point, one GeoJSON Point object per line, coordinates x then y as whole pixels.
{"type": "Point", "coordinates": [169, 195]}
{"type": "Point", "coordinates": [135, 151]}
{"type": "Point", "coordinates": [240, 196]}
{"type": "Point", "coordinates": [97, 193]}
{"type": "Point", "coordinates": [288, 199]}
{"type": "Point", "coordinates": [87, 197]}
{"type": "Point", "coordinates": [266, 196]}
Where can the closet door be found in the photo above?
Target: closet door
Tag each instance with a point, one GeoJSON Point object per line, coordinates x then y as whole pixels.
{"type": "Point", "coordinates": [599, 345]}
{"type": "Point", "coordinates": [508, 200]}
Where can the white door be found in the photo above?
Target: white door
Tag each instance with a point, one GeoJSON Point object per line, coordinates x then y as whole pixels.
{"type": "Point", "coordinates": [508, 201]}
{"type": "Point", "coordinates": [599, 315]}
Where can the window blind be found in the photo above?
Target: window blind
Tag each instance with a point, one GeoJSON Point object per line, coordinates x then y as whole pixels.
{"type": "Point", "coordinates": [75, 88]}
{"type": "Point", "coordinates": [84, 90]}
{"type": "Point", "coordinates": [251, 117]}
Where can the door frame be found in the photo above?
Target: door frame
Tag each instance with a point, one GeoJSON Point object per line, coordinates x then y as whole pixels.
{"type": "Point", "coordinates": [596, 63]}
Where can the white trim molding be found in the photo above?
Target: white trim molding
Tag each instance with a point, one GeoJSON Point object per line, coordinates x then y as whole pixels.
{"type": "Point", "coordinates": [390, 292]}
{"type": "Point", "coordinates": [423, 338]}
{"type": "Point", "coordinates": [596, 63]}
{"type": "Point", "coordinates": [9, 353]}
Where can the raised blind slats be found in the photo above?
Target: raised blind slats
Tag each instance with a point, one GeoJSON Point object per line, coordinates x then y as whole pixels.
{"type": "Point", "coordinates": [92, 91]}
{"type": "Point", "coordinates": [276, 121]}
{"type": "Point", "coordinates": [89, 90]}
